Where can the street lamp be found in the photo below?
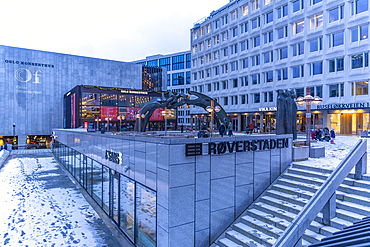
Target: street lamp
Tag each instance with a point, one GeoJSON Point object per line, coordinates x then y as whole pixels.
{"type": "Point", "coordinates": [308, 100]}
{"type": "Point", "coordinates": [97, 123]}
{"type": "Point", "coordinates": [108, 119]}
{"type": "Point", "coordinates": [165, 114]}
{"type": "Point", "coordinates": [211, 109]}
{"type": "Point", "coordinates": [120, 117]}
{"type": "Point", "coordinates": [139, 116]}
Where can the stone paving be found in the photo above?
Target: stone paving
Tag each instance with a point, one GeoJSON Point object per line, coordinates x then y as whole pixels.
{"type": "Point", "coordinates": [42, 206]}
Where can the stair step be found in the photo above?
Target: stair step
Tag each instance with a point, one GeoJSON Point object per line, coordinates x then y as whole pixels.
{"type": "Point", "coordinates": [353, 207]}
{"type": "Point", "coordinates": [322, 229]}
{"type": "Point", "coordinates": [348, 216]}
{"type": "Point", "coordinates": [236, 239]}
{"type": "Point", "coordinates": [287, 197]}
{"type": "Point", "coordinates": [295, 184]}
{"type": "Point", "coordinates": [283, 214]}
{"type": "Point", "coordinates": [304, 179]}
{"type": "Point", "coordinates": [312, 237]}
{"type": "Point", "coordinates": [282, 204]}
{"type": "Point", "coordinates": [316, 174]}
{"type": "Point", "coordinates": [358, 183]}
{"type": "Point", "coordinates": [262, 226]}
{"type": "Point", "coordinates": [350, 189]}
{"type": "Point", "coordinates": [311, 168]}
{"type": "Point", "coordinates": [254, 234]}
{"type": "Point", "coordinates": [294, 191]}
{"type": "Point", "coordinates": [269, 218]}
{"type": "Point", "coordinates": [360, 200]}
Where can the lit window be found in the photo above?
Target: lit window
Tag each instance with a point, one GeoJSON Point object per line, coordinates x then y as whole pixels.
{"type": "Point", "coordinates": [360, 88]}
{"type": "Point", "coordinates": [234, 15]}
{"type": "Point", "coordinates": [316, 21]}
{"type": "Point", "coordinates": [268, 2]}
{"type": "Point", "coordinates": [255, 5]}
{"type": "Point", "coordinates": [360, 60]}
{"type": "Point", "coordinates": [245, 9]}
{"type": "Point", "coordinates": [298, 27]}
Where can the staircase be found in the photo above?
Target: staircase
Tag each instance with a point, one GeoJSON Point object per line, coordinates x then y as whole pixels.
{"type": "Point", "coordinates": [267, 218]}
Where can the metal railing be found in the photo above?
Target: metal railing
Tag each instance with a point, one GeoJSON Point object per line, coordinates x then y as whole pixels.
{"type": "Point", "coordinates": [324, 198]}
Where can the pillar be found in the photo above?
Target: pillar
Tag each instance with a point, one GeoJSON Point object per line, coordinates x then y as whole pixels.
{"type": "Point", "coordinates": [240, 122]}
{"type": "Point", "coordinates": [328, 212]}
{"type": "Point", "coordinates": [361, 167]}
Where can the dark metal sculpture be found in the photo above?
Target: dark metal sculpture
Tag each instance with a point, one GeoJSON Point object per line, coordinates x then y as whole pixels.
{"type": "Point", "coordinates": [175, 100]}
{"type": "Point", "coordinates": [286, 116]}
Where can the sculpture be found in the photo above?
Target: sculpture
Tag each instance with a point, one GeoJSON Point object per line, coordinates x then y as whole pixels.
{"type": "Point", "coordinates": [175, 100]}
{"type": "Point", "coordinates": [286, 115]}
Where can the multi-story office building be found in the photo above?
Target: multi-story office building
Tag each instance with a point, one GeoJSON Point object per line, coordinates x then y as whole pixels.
{"type": "Point", "coordinates": [247, 50]}
{"type": "Point", "coordinates": [178, 77]}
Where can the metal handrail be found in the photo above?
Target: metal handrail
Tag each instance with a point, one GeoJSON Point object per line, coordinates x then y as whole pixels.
{"type": "Point", "coordinates": [296, 229]}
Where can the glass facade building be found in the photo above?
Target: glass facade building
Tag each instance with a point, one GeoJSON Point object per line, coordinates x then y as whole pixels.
{"type": "Point", "coordinates": [131, 205]}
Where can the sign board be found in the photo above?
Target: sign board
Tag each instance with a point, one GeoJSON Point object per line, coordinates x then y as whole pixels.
{"type": "Point", "coordinates": [308, 115]}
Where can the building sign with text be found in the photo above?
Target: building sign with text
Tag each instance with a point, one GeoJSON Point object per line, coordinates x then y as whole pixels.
{"type": "Point", "coordinates": [194, 149]}
{"type": "Point", "coordinates": [344, 106]}
{"type": "Point", "coordinates": [115, 157]}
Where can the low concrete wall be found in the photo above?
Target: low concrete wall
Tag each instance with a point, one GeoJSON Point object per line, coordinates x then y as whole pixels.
{"type": "Point", "coordinates": [197, 196]}
{"type": "Point", "coordinates": [3, 156]}
{"type": "Point", "coordinates": [301, 153]}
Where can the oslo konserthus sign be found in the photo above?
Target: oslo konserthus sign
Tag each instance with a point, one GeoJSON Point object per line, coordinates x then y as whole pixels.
{"type": "Point", "coordinates": [236, 146]}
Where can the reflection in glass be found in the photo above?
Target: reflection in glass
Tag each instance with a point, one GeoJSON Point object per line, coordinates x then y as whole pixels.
{"type": "Point", "coordinates": [90, 98]}
{"type": "Point", "coordinates": [90, 112]}
{"type": "Point", "coordinates": [106, 189]}
{"type": "Point", "coordinates": [145, 217]}
{"type": "Point", "coordinates": [97, 182]}
{"type": "Point", "coordinates": [127, 206]}
{"type": "Point", "coordinates": [115, 199]}
{"type": "Point", "coordinates": [89, 174]}
{"type": "Point", "coordinates": [108, 99]}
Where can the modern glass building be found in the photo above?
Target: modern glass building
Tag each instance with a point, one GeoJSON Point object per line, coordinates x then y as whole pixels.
{"type": "Point", "coordinates": [115, 109]}
{"type": "Point", "coordinates": [178, 67]}
{"type": "Point", "coordinates": [245, 51]}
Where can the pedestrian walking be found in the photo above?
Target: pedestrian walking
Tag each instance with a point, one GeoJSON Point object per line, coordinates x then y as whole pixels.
{"type": "Point", "coordinates": [313, 135]}
{"type": "Point", "coordinates": [230, 129]}
{"type": "Point", "coordinates": [6, 146]}
{"type": "Point", "coordinates": [222, 129]}
{"type": "Point", "coordinates": [251, 127]}
{"type": "Point", "coordinates": [332, 136]}
{"type": "Point", "coordinates": [182, 128]}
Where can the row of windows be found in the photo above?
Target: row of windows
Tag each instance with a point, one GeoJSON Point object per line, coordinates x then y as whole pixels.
{"type": "Point", "coordinates": [178, 62]}
{"type": "Point", "coordinates": [335, 39]}
{"type": "Point", "coordinates": [357, 88]}
{"type": "Point", "coordinates": [334, 65]}
{"type": "Point", "coordinates": [356, 7]}
{"type": "Point", "coordinates": [178, 79]}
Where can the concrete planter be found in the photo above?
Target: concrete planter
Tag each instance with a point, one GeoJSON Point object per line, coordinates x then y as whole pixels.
{"type": "Point", "coordinates": [317, 152]}
{"type": "Point", "coordinates": [301, 153]}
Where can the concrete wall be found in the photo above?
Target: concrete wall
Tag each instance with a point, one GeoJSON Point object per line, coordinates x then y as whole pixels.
{"type": "Point", "coordinates": [197, 196]}
{"type": "Point", "coordinates": [34, 82]}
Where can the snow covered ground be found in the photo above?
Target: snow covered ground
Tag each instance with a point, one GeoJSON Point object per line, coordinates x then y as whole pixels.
{"type": "Point", "coordinates": [40, 206]}
{"type": "Point", "coordinates": [334, 153]}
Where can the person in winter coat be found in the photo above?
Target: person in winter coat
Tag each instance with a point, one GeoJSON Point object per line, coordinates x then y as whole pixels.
{"type": "Point", "coordinates": [332, 136]}
{"type": "Point", "coordinates": [313, 135]}
{"type": "Point", "coordinates": [230, 129]}
{"type": "Point", "coordinates": [222, 129]}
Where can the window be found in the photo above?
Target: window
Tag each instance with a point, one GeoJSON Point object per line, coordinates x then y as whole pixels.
{"type": "Point", "coordinates": [319, 91]}
{"type": "Point", "coordinates": [216, 55]}
{"type": "Point", "coordinates": [177, 79]}
{"type": "Point", "coordinates": [216, 86]}
{"type": "Point", "coordinates": [282, 11]}
{"type": "Point", "coordinates": [245, 9]}
{"type": "Point", "coordinates": [235, 83]}
{"type": "Point", "coordinates": [255, 23]}
{"type": "Point", "coordinates": [269, 76]}
{"type": "Point", "coordinates": [208, 58]}
{"type": "Point", "coordinates": [244, 27]}
{"type": "Point", "coordinates": [224, 68]}
{"type": "Point", "coordinates": [271, 96]}
{"type": "Point", "coordinates": [359, 6]}
{"type": "Point", "coordinates": [269, 17]}
{"type": "Point", "coordinates": [256, 98]}
{"type": "Point", "coordinates": [298, 5]}
{"type": "Point", "coordinates": [216, 70]}
{"type": "Point", "coordinates": [313, 2]}
{"type": "Point", "coordinates": [234, 15]}
{"type": "Point", "coordinates": [242, 99]}
{"type": "Point", "coordinates": [226, 52]}
{"type": "Point", "coordinates": [165, 63]}
{"type": "Point", "coordinates": [178, 62]}
{"type": "Point", "coordinates": [209, 43]}
{"type": "Point", "coordinates": [244, 81]}
{"type": "Point", "coordinates": [256, 60]}
{"type": "Point", "coordinates": [299, 92]}
{"type": "Point", "coordinates": [298, 71]}
{"type": "Point", "coordinates": [224, 36]}
{"type": "Point", "coordinates": [225, 85]}
{"type": "Point", "coordinates": [298, 49]}
{"type": "Point", "coordinates": [282, 74]}
{"type": "Point", "coordinates": [336, 64]}
{"type": "Point", "coordinates": [255, 79]}
{"type": "Point", "coordinates": [208, 72]}
{"type": "Point", "coordinates": [336, 14]}
{"type": "Point", "coordinates": [216, 40]}
{"type": "Point", "coordinates": [268, 2]}
{"type": "Point", "coordinates": [224, 20]}
{"type": "Point", "coordinates": [336, 39]}
{"type": "Point", "coordinates": [195, 35]}
{"type": "Point", "coordinates": [256, 41]}
{"type": "Point", "coordinates": [268, 57]}
{"type": "Point", "coordinates": [316, 21]}
{"type": "Point", "coordinates": [217, 24]}
{"type": "Point", "coordinates": [360, 60]}
{"type": "Point", "coordinates": [282, 32]}
{"type": "Point", "coordinates": [234, 66]}
{"type": "Point", "coordinates": [188, 60]}
{"type": "Point", "coordinates": [242, 46]}
{"type": "Point", "coordinates": [298, 27]}
{"type": "Point", "coordinates": [234, 49]}
{"type": "Point", "coordinates": [268, 37]}
{"type": "Point", "coordinates": [245, 63]}
{"type": "Point", "coordinates": [208, 28]}
{"type": "Point", "coordinates": [283, 53]}
{"type": "Point", "coordinates": [226, 100]}
{"type": "Point", "coordinates": [235, 32]}
{"type": "Point", "coordinates": [316, 68]}
{"type": "Point", "coordinates": [201, 31]}
{"type": "Point", "coordinates": [360, 88]}
{"type": "Point", "coordinates": [255, 5]}
{"type": "Point", "coordinates": [360, 33]}
{"type": "Point", "coordinates": [188, 77]}
{"type": "Point", "coordinates": [316, 44]}
{"type": "Point", "coordinates": [201, 59]}
{"type": "Point", "coordinates": [265, 97]}
{"type": "Point", "coordinates": [334, 90]}
{"type": "Point", "coordinates": [195, 76]}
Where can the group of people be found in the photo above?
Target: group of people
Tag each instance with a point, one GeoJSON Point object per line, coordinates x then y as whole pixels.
{"type": "Point", "coordinates": [323, 135]}
{"type": "Point", "coordinates": [222, 130]}
{"type": "Point", "coordinates": [5, 146]}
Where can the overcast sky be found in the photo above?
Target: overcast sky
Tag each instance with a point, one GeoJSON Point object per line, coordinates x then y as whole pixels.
{"type": "Point", "coordinates": [111, 29]}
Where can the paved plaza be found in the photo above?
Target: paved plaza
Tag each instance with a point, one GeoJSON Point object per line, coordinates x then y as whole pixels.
{"type": "Point", "coordinates": [41, 206]}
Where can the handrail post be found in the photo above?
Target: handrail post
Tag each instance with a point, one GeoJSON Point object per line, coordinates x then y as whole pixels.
{"type": "Point", "coordinates": [361, 167]}
{"type": "Point", "coordinates": [299, 243]}
{"type": "Point", "coordinates": [328, 212]}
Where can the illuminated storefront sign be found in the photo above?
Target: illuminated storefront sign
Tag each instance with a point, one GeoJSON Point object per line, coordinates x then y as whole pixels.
{"type": "Point", "coordinates": [236, 146]}
{"type": "Point", "coordinates": [344, 106]}
{"type": "Point", "coordinates": [268, 108]}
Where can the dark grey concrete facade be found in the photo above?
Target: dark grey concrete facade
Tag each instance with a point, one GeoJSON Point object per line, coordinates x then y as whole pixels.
{"type": "Point", "coordinates": [197, 197]}
{"type": "Point", "coordinates": [33, 84]}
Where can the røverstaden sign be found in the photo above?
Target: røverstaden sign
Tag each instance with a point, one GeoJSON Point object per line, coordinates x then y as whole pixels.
{"type": "Point", "coordinates": [194, 149]}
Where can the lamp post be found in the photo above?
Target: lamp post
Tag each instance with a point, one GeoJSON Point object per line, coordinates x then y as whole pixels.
{"type": "Point", "coordinates": [97, 123]}
{"type": "Point", "coordinates": [139, 116]}
{"type": "Point", "coordinates": [108, 119]}
{"type": "Point", "coordinates": [211, 109]}
{"type": "Point", "coordinates": [120, 117]}
{"type": "Point", "coordinates": [308, 100]}
{"type": "Point", "coordinates": [165, 114]}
